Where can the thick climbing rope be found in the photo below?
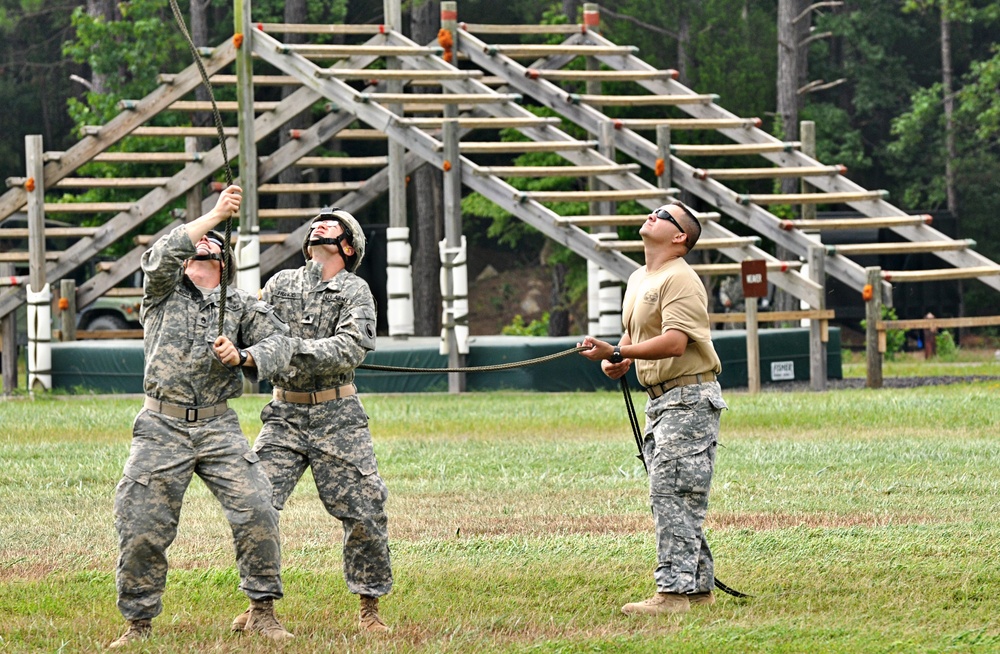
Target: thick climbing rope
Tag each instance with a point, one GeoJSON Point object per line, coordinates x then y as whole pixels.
{"type": "Point", "coordinates": [226, 259]}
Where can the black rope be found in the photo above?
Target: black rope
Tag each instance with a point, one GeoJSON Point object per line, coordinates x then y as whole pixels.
{"type": "Point", "coordinates": [634, 421]}
{"type": "Point", "coordinates": [226, 258]}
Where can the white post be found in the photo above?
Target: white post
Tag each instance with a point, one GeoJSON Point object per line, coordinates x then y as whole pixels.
{"type": "Point", "coordinates": [399, 282]}
{"type": "Point", "coordinates": [39, 293]}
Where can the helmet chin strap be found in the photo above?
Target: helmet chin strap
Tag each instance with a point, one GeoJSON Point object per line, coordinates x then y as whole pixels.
{"type": "Point", "coordinates": [207, 257]}
{"type": "Point", "coordinates": [326, 240]}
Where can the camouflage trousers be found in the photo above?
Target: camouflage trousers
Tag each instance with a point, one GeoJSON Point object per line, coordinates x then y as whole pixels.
{"type": "Point", "coordinates": [681, 434]}
{"type": "Point", "coordinates": [332, 438]}
{"type": "Point", "coordinates": [165, 454]}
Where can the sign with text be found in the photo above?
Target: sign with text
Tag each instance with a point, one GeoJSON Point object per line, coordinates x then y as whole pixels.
{"type": "Point", "coordinates": [782, 370]}
{"type": "Point", "coordinates": [754, 276]}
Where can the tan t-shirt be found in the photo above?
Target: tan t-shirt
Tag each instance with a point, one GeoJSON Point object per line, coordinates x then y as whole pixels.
{"type": "Point", "coordinates": [672, 297]}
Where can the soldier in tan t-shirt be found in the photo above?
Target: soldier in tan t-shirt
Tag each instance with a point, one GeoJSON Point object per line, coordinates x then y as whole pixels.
{"type": "Point", "coordinates": [666, 334]}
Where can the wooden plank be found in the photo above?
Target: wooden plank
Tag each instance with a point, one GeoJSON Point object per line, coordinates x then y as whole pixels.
{"type": "Point", "coordinates": [149, 157]}
{"type": "Point", "coordinates": [875, 222]}
{"type": "Point", "coordinates": [486, 122]}
{"type": "Point", "coordinates": [50, 232]}
{"type": "Point", "coordinates": [942, 274]}
{"type": "Point", "coordinates": [334, 50]}
{"type": "Point", "coordinates": [310, 187]}
{"type": "Point", "coordinates": [221, 105]}
{"type": "Point", "coordinates": [809, 198]}
{"type": "Point", "coordinates": [731, 149]}
{"type": "Point", "coordinates": [15, 257]}
{"type": "Point", "coordinates": [517, 51]}
{"type": "Point", "coordinates": [179, 131]}
{"type": "Point", "coordinates": [222, 80]}
{"type": "Point", "coordinates": [702, 244]}
{"type": "Point", "coordinates": [441, 98]}
{"type": "Point", "coordinates": [601, 75]}
{"type": "Point", "coordinates": [111, 182]}
{"type": "Point", "coordinates": [718, 269]}
{"type": "Point", "coordinates": [610, 195]}
{"type": "Point", "coordinates": [859, 249]}
{"type": "Point", "coordinates": [88, 207]}
{"type": "Point", "coordinates": [622, 219]}
{"type": "Point", "coordinates": [524, 146]}
{"type": "Point", "coordinates": [326, 28]}
{"type": "Point", "coordinates": [423, 76]}
{"type": "Point", "coordinates": [688, 123]}
{"type": "Point", "coordinates": [486, 28]}
{"type": "Point", "coordinates": [643, 100]}
{"type": "Point", "coordinates": [777, 172]}
{"type": "Point", "coordinates": [556, 171]}
{"type": "Point", "coordinates": [938, 323]}
{"type": "Point", "coordinates": [774, 316]}
{"type": "Point", "coordinates": [101, 334]}
{"type": "Point", "coordinates": [341, 162]}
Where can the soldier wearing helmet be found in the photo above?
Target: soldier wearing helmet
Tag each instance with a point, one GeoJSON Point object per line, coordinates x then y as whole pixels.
{"type": "Point", "coordinates": [315, 419]}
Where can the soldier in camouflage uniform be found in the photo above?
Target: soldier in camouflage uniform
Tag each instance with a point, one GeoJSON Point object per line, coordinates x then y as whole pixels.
{"type": "Point", "coordinates": [666, 333]}
{"type": "Point", "coordinates": [186, 427]}
{"type": "Point", "coordinates": [316, 419]}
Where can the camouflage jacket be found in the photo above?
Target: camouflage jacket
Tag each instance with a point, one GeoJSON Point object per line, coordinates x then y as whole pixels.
{"type": "Point", "coordinates": [334, 322]}
{"type": "Point", "coordinates": [181, 325]}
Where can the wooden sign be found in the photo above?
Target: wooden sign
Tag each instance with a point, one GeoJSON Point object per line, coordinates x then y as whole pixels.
{"type": "Point", "coordinates": [754, 277]}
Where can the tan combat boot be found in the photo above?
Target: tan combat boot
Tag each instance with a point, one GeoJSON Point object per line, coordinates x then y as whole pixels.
{"type": "Point", "coordinates": [137, 630]}
{"type": "Point", "coordinates": [262, 621]}
{"type": "Point", "coordinates": [703, 599]}
{"type": "Point", "coordinates": [240, 621]}
{"type": "Point", "coordinates": [659, 604]}
{"type": "Point", "coordinates": [370, 620]}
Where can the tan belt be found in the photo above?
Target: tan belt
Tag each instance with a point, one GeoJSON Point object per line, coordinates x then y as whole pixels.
{"type": "Point", "coordinates": [657, 390]}
{"type": "Point", "coordinates": [315, 397]}
{"type": "Point", "coordinates": [190, 414]}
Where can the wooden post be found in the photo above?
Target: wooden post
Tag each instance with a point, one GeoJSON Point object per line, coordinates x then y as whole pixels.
{"type": "Point", "coordinates": [249, 228]}
{"type": "Point", "coordinates": [67, 316]}
{"type": "Point", "coordinates": [39, 293]}
{"type": "Point", "coordinates": [195, 195]}
{"type": "Point", "coordinates": [807, 136]}
{"type": "Point", "coordinates": [818, 333]}
{"type": "Point", "coordinates": [452, 244]}
{"type": "Point", "coordinates": [873, 313]}
{"type": "Point", "coordinates": [8, 339]}
{"type": "Point", "coordinates": [663, 154]}
{"type": "Point", "coordinates": [753, 347]}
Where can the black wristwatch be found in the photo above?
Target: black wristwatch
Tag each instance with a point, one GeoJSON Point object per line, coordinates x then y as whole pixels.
{"type": "Point", "coordinates": [616, 355]}
{"type": "Point", "coordinates": [243, 356]}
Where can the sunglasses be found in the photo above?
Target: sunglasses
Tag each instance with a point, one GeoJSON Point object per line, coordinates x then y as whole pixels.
{"type": "Point", "coordinates": [663, 214]}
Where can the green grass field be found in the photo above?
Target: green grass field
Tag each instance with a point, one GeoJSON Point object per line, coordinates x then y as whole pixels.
{"type": "Point", "coordinates": [861, 521]}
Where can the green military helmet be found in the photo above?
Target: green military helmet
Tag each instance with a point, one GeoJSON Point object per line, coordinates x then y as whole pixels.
{"type": "Point", "coordinates": [352, 232]}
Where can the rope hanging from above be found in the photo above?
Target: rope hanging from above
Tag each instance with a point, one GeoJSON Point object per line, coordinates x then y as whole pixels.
{"type": "Point", "coordinates": [227, 169]}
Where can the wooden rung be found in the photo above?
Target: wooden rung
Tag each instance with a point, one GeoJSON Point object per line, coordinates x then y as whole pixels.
{"type": "Point", "coordinates": [326, 28]}
{"type": "Point", "coordinates": [688, 123]}
{"type": "Point", "coordinates": [50, 232]}
{"type": "Point", "coordinates": [939, 274]}
{"type": "Point", "coordinates": [102, 334]}
{"type": "Point", "coordinates": [291, 212]}
{"type": "Point", "coordinates": [702, 244]}
{"type": "Point", "coordinates": [483, 28]}
{"type": "Point", "coordinates": [441, 98]}
{"type": "Point", "coordinates": [122, 291]}
{"type": "Point", "coordinates": [524, 146]}
{"type": "Point", "coordinates": [938, 323]}
{"type": "Point", "coordinates": [486, 122]}
{"type": "Point", "coordinates": [221, 105]}
{"type": "Point", "coordinates": [423, 76]}
{"type": "Point", "coordinates": [94, 130]}
{"type": "Point", "coordinates": [858, 223]}
{"type": "Point", "coordinates": [769, 173]}
{"type": "Point", "coordinates": [623, 220]}
{"type": "Point", "coordinates": [603, 75]}
{"type": "Point", "coordinates": [332, 50]}
{"type": "Point", "coordinates": [642, 100]}
{"type": "Point", "coordinates": [556, 171]}
{"type": "Point", "coordinates": [17, 257]}
{"type": "Point", "coordinates": [148, 157]}
{"type": "Point", "coordinates": [597, 196]}
{"type": "Point", "coordinates": [258, 80]}
{"type": "Point", "coordinates": [270, 237]}
{"type": "Point", "coordinates": [811, 198]}
{"type": "Point", "coordinates": [342, 162]}
{"type": "Point", "coordinates": [348, 134]}
{"type": "Point", "coordinates": [311, 187]}
{"type": "Point", "coordinates": [532, 51]}
{"type": "Point", "coordinates": [735, 149]}
{"type": "Point", "coordinates": [718, 269]}
{"type": "Point", "coordinates": [910, 247]}
{"type": "Point", "coordinates": [111, 182]}
{"type": "Point", "coordinates": [775, 316]}
{"type": "Point", "coordinates": [87, 207]}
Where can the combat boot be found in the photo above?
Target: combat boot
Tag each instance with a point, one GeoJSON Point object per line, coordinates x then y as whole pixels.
{"type": "Point", "coordinates": [240, 621]}
{"type": "Point", "coordinates": [659, 604]}
{"type": "Point", "coordinates": [262, 621]}
{"type": "Point", "coordinates": [703, 599]}
{"type": "Point", "coordinates": [370, 620]}
{"type": "Point", "coordinates": [137, 630]}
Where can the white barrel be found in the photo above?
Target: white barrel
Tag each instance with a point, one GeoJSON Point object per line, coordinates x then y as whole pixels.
{"type": "Point", "coordinates": [40, 339]}
{"type": "Point", "coordinates": [399, 282]}
{"type": "Point", "coordinates": [610, 305]}
{"type": "Point", "coordinates": [248, 261]}
{"type": "Point", "coordinates": [593, 298]}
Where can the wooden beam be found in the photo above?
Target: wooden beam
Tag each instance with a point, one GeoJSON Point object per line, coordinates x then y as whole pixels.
{"type": "Point", "coordinates": [485, 122]}
{"type": "Point", "coordinates": [688, 123]}
{"type": "Point", "coordinates": [317, 28]}
{"type": "Point", "coordinates": [809, 198]}
{"type": "Point", "coordinates": [332, 50]}
{"type": "Point", "coordinates": [340, 162]}
{"type": "Point", "coordinates": [524, 146]}
{"type": "Point", "coordinates": [519, 51]}
{"type": "Point", "coordinates": [777, 172]}
{"type": "Point", "coordinates": [556, 171]}
{"type": "Point", "coordinates": [942, 274]}
{"type": "Point", "coordinates": [703, 244]}
{"type": "Point", "coordinates": [423, 76]}
{"type": "Point", "coordinates": [611, 195]}
{"type": "Point", "coordinates": [643, 100]}
{"type": "Point", "coordinates": [874, 222]}
{"type": "Point", "coordinates": [50, 232]}
{"type": "Point", "coordinates": [486, 28]}
{"type": "Point", "coordinates": [731, 149]}
{"type": "Point", "coordinates": [860, 249]}
{"type": "Point", "coordinates": [938, 323]}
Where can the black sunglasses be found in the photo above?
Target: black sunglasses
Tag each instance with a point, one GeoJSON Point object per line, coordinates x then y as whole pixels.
{"type": "Point", "coordinates": [663, 214]}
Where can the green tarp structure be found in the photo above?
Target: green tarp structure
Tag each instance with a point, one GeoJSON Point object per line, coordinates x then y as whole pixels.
{"type": "Point", "coordinates": [115, 366]}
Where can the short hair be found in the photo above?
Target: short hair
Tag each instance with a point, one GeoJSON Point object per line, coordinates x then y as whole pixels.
{"type": "Point", "coordinates": [692, 226]}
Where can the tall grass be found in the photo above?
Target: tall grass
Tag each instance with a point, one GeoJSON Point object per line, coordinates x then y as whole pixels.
{"type": "Point", "coordinates": [861, 521]}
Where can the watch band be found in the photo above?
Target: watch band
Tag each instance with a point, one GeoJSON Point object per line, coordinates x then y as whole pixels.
{"type": "Point", "coordinates": [616, 355]}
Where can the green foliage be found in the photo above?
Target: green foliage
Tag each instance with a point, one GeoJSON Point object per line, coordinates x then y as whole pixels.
{"type": "Point", "coordinates": [946, 349]}
{"type": "Point", "coordinates": [537, 327]}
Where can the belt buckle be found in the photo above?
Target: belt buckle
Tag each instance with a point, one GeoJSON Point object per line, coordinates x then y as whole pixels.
{"type": "Point", "coordinates": [312, 398]}
{"type": "Point", "coordinates": [190, 415]}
